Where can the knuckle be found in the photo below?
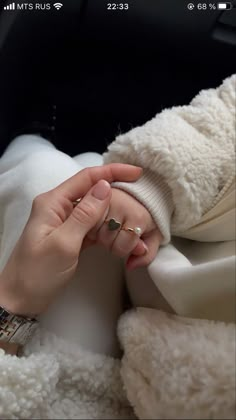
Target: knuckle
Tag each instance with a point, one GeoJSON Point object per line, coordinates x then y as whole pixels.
{"type": "Point", "coordinates": [39, 201]}
{"type": "Point", "coordinates": [138, 220]}
{"type": "Point", "coordinates": [84, 213]}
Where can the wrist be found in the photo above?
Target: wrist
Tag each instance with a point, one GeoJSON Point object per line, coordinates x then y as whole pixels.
{"type": "Point", "coordinates": [10, 300]}
{"type": "Point", "coordinates": [15, 329]}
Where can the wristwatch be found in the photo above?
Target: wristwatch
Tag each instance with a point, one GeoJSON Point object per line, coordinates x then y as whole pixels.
{"type": "Point", "coordinates": [16, 328]}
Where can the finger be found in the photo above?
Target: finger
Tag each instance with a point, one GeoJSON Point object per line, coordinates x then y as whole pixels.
{"type": "Point", "coordinates": [78, 185]}
{"type": "Point", "coordinates": [87, 243]}
{"type": "Point", "coordinates": [124, 243]}
{"type": "Point", "coordinates": [106, 236]}
{"type": "Point", "coordinates": [152, 242]}
{"type": "Point", "coordinates": [85, 215]}
{"type": "Point", "coordinates": [140, 249]}
{"type": "Point", "coordinates": [93, 233]}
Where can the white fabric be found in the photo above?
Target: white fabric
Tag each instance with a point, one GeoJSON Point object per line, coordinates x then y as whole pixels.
{"type": "Point", "coordinates": [193, 149]}
{"type": "Point", "coordinates": [178, 368]}
{"type": "Point", "coordinates": [173, 367]}
{"type": "Point", "coordinates": [87, 311]}
{"type": "Point", "coordinates": [198, 278]}
{"type": "Point", "coordinates": [58, 378]}
{"type": "Point", "coordinates": [218, 224]}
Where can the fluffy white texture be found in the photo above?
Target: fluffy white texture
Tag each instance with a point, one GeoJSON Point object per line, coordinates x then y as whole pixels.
{"type": "Point", "coordinates": [178, 368]}
{"type": "Point", "coordinates": [192, 147]}
{"type": "Point", "coordinates": [56, 380]}
{"type": "Point", "coordinates": [173, 368]}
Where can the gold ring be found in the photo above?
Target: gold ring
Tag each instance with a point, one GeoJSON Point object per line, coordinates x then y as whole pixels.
{"type": "Point", "coordinates": [137, 230]}
{"type": "Point", "coordinates": [76, 202]}
{"type": "Point", "coordinates": [113, 224]}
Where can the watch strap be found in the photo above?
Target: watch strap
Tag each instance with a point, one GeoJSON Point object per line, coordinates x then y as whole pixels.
{"type": "Point", "coordinates": [15, 328]}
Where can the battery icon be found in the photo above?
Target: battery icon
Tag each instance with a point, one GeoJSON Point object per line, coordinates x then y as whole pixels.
{"type": "Point", "coordinates": [224, 6]}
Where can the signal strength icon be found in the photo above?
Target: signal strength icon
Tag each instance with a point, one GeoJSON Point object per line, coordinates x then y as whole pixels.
{"type": "Point", "coordinates": [58, 5]}
{"type": "Point", "coordinates": [10, 7]}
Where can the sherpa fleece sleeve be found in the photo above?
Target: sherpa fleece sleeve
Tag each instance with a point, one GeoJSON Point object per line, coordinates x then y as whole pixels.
{"type": "Point", "coordinates": [188, 156]}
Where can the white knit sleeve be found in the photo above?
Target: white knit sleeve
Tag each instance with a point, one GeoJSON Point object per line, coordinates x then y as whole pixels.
{"type": "Point", "coordinates": [153, 192]}
{"type": "Point", "coordinates": [191, 148]}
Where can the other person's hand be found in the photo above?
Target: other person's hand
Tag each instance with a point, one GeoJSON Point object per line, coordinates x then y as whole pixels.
{"type": "Point", "coordinates": [46, 255]}
{"type": "Point", "coordinates": [129, 213]}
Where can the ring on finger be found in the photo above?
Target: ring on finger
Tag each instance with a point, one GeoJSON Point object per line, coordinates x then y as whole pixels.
{"type": "Point", "coordinates": [113, 224]}
{"type": "Point", "coordinates": [137, 230]}
{"type": "Point", "coordinates": [76, 202]}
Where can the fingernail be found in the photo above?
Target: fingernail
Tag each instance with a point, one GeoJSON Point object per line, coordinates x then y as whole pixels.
{"type": "Point", "coordinates": [145, 247]}
{"type": "Point", "coordinates": [101, 190]}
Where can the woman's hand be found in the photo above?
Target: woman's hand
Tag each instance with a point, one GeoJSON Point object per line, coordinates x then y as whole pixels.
{"type": "Point", "coordinates": [46, 255]}
{"type": "Point", "coordinates": [130, 213]}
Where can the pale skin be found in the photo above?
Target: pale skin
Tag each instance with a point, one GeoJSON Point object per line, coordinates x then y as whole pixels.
{"type": "Point", "coordinates": [46, 255]}
{"type": "Point", "coordinates": [130, 213]}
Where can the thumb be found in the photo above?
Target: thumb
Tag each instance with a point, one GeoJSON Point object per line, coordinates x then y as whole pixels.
{"type": "Point", "coordinates": [86, 214]}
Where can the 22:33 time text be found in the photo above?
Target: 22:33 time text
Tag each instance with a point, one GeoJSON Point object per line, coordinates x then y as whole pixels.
{"type": "Point", "coordinates": [117, 6]}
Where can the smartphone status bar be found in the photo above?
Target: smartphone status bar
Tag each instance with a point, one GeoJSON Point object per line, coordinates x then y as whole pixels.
{"type": "Point", "coordinates": [210, 6]}
{"type": "Point", "coordinates": [32, 6]}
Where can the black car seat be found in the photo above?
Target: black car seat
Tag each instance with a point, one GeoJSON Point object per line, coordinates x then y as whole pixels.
{"type": "Point", "coordinates": [82, 74]}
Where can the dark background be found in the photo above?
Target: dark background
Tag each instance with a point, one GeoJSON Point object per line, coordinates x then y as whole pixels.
{"type": "Point", "coordinates": [82, 74]}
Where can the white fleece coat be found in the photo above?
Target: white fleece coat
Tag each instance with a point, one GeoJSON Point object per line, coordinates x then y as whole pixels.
{"type": "Point", "coordinates": [174, 367]}
{"type": "Point", "coordinates": [188, 154]}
